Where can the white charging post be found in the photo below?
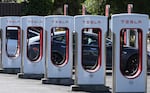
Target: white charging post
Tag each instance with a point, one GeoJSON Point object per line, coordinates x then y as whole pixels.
{"type": "Point", "coordinates": [11, 44]}
{"type": "Point", "coordinates": [90, 56]}
{"type": "Point", "coordinates": [59, 51]}
{"type": "Point", "coordinates": [33, 59]}
{"type": "Point", "coordinates": [129, 73]}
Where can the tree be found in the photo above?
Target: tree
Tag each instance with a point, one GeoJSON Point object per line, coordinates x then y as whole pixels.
{"type": "Point", "coordinates": [19, 1]}
{"type": "Point", "coordinates": [95, 6]}
{"type": "Point", "coordinates": [45, 7]}
{"type": "Point", "coordinates": [117, 6]}
{"type": "Point", "coordinates": [120, 6]}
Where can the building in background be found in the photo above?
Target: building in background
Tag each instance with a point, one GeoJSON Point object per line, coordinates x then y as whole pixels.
{"type": "Point", "coordinates": [11, 7]}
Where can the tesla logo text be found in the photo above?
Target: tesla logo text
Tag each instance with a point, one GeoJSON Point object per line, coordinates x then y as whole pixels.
{"type": "Point", "coordinates": [13, 21]}
{"type": "Point", "coordinates": [91, 22]}
{"type": "Point", "coordinates": [131, 21]}
{"type": "Point", "coordinates": [60, 21]}
{"type": "Point", "coordinates": [35, 21]}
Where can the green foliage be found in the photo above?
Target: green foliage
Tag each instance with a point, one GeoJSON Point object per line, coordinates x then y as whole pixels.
{"type": "Point", "coordinates": [117, 6]}
{"type": "Point", "coordinates": [46, 7]}
{"type": "Point", "coordinates": [95, 7]}
{"type": "Point", "coordinates": [92, 6]}
{"type": "Point", "coordinates": [19, 1]}
{"type": "Point", "coordinates": [120, 6]}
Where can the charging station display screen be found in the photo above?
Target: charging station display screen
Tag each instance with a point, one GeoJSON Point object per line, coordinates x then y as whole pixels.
{"type": "Point", "coordinates": [131, 55]}
{"type": "Point", "coordinates": [59, 45]}
{"type": "Point", "coordinates": [91, 49]}
{"type": "Point", "coordinates": [12, 41]}
{"type": "Point", "coordinates": [34, 43]}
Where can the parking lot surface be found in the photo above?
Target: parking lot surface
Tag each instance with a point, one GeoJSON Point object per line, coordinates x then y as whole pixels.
{"type": "Point", "coordinates": [10, 83]}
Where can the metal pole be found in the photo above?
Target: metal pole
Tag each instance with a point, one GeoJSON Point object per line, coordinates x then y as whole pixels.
{"type": "Point", "coordinates": [65, 9]}
{"type": "Point", "coordinates": [83, 9]}
{"type": "Point", "coordinates": [107, 7]}
{"type": "Point", "coordinates": [127, 32]}
{"type": "Point", "coordinates": [130, 7]}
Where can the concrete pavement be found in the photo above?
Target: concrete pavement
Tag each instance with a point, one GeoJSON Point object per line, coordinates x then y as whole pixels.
{"type": "Point", "coordinates": [10, 83]}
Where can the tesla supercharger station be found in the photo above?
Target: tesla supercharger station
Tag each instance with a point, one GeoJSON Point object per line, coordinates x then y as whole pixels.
{"type": "Point", "coordinates": [129, 76]}
{"type": "Point", "coordinates": [90, 56]}
{"type": "Point", "coordinates": [59, 52]}
{"type": "Point", "coordinates": [33, 59]}
{"type": "Point", "coordinates": [11, 44]}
